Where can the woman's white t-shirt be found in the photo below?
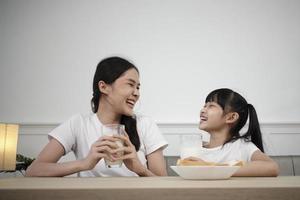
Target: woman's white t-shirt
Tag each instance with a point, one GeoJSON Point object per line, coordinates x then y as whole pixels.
{"type": "Point", "coordinates": [81, 131]}
{"type": "Point", "coordinates": [237, 150]}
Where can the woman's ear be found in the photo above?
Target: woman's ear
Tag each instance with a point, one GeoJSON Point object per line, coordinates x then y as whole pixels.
{"type": "Point", "coordinates": [103, 87]}
{"type": "Point", "coordinates": [232, 117]}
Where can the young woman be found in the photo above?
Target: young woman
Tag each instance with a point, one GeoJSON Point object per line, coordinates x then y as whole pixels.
{"type": "Point", "coordinates": [115, 91]}
{"type": "Point", "coordinates": [223, 116]}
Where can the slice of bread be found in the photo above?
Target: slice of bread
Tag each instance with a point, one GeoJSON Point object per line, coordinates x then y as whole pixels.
{"type": "Point", "coordinates": [239, 163]}
{"type": "Point", "coordinates": [184, 162]}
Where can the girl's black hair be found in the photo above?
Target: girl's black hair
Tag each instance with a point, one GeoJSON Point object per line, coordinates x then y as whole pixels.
{"type": "Point", "coordinates": [108, 70]}
{"type": "Point", "coordinates": [231, 101]}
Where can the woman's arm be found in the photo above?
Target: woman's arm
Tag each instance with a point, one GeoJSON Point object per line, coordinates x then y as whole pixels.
{"type": "Point", "coordinates": [260, 165]}
{"type": "Point", "coordinates": [156, 165]}
{"type": "Point", "coordinates": [46, 162]}
{"type": "Point", "coordinates": [155, 161]}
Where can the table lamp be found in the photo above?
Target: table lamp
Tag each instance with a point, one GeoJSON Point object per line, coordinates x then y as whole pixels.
{"type": "Point", "coordinates": [8, 146]}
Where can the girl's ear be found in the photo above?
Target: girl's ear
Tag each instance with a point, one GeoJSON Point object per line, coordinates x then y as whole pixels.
{"type": "Point", "coordinates": [232, 117]}
{"type": "Point", "coordinates": [103, 87]}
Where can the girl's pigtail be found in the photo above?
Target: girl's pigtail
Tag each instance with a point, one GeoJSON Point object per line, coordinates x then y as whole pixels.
{"type": "Point", "coordinates": [254, 128]}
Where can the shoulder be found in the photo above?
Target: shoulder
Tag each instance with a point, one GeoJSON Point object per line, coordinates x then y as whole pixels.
{"type": "Point", "coordinates": [246, 143]}
{"type": "Point", "coordinates": [144, 119]}
{"type": "Point", "coordinates": [146, 123]}
{"type": "Point", "coordinates": [79, 119]}
{"type": "Point", "coordinates": [247, 147]}
{"type": "Point", "coordinates": [140, 118]}
{"type": "Point", "coordinates": [150, 134]}
{"type": "Point", "coordinates": [241, 144]}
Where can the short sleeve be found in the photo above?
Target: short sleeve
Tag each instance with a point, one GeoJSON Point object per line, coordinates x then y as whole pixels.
{"type": "Point", "coordinates": [65, 133]}
{"type": "Point", "coordinates": [150, 135]}
{"type": "Point", "coordinates": [248, 149]}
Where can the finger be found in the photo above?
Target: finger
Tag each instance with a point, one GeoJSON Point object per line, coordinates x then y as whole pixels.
{"type": "Point", "coordinates": [112, 145]}
{"type": "Point", "coordinates": [125, 149]}
{"type": "Point", "coordinates": [125, 157]}
{"type": "Point", "coordinates": [193, 158]}
{"type": "Point", "coordinates": [106, 137]}
{"type": "Point", "coordinates": [126, 135]}
{"type": "Point", "coordinates": [106, 143]}
{"type": "Point", "coordinates": [126, 140]}
{"type": "Point", "coordinates": [104, 153]}
{"type": "Point", "coordinates": [107, 157]}
{"type": "Point", "coordinates": [104, 149]}
{"type": "Point", "coordinates": [120, 137]}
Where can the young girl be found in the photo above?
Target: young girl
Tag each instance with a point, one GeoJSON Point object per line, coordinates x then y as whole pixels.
{"type": "Point", "coordinates": [115, 91]}
{"type": "Point", "coordinates": [223, 116]}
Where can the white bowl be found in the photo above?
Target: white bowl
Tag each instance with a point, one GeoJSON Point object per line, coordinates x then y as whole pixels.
{"type": "Point", "coordinates": [205, 172]}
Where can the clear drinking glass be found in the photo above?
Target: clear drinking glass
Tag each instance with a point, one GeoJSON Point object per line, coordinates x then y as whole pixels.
{"type": "Point", "coordinates": [190, 145]}
{"type": "Point", "coordinates": [110, 130]}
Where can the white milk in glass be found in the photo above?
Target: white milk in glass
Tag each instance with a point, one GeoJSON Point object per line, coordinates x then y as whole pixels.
{"type": "Point", "coordinates": [186, 152]}
{"type": "Point", "coordinates": [110, 130]}
{"type": "Point", "coordinates": [190, 145]}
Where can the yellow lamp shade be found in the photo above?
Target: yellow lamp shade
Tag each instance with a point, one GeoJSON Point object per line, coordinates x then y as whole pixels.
{"type": "Point", "coordinates": [8, 146]}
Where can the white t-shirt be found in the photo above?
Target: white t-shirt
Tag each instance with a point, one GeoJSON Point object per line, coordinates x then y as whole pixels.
{"type": "Point", "coordinates": [237, 150]}
{"type": "Point", "coordinates": [81, 131]}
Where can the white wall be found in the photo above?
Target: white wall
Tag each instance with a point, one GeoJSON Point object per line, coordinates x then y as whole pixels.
{"type": "Point", "coordinates": [184, 49]}
{"type": "Point", "coordinates": [278, 139]}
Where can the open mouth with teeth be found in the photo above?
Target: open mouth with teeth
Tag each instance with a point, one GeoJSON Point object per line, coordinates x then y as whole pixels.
{"type": "Point", "coordinates": [203, 119]}
{"type": "Point", "coordinates": [130, 102]}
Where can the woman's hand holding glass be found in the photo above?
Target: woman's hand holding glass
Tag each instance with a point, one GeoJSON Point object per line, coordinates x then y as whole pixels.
{"type": "Point", "coordinates": [130, 157]}
{"type": "Point", "coordinates": [104, 148]}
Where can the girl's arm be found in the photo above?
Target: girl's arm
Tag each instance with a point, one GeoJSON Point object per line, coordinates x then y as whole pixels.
{"type": "Point", "coordinates": [260, 165]}
{"type": "Point", "coordinates": [46, 162]}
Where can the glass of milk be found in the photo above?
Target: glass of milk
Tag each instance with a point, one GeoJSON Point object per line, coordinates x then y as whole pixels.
{"type": "Point", "coordinates": [110, 130]}
{"type": "Point", "coordinates": [190, 145]}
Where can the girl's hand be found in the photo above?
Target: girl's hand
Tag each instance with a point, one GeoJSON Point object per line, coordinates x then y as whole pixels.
{"type": "Point", "coordinates": [129, 157]}
{"type": "Point", "coordinates": [102, 148]}
{"type": "Point", "coordinates": [191, 158]}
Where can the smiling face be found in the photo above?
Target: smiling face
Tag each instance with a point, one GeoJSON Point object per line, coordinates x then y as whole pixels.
{"type": "Point", "coordinates": [212, 117]}
{"type": "Point", "coordinates": [123, 93]}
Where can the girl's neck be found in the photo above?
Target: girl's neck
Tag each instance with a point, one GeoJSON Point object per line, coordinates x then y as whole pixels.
{"type": "Point", "coordinates": [106, 115]}
{"type": "Point", "coordinates": [217, 138]}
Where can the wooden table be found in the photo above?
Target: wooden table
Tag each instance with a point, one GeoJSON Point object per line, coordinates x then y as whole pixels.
{"type": "Point", "coordinates": [157, 188]}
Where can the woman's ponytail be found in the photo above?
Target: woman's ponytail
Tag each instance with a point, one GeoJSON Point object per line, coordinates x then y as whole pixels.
{"type": "Point", "coordinates": [131, 130]}
{"type": "Point", "coordinates": [95, 101]}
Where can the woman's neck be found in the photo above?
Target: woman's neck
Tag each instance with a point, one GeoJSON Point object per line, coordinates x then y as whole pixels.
{"type": "Point", "coordinates": [217, 138]}
{"type": "Point", "coordinates": [106, 115]}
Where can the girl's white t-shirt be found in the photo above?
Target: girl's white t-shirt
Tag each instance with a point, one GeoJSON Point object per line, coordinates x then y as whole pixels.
{"type": "Point", "coordinates": [79, 133]}
{"type": "Point", "coordinates": [237, 150]}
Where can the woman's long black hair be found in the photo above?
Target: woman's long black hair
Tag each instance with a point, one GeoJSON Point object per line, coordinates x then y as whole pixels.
{"type": "Point", "coordinates": [108, 70]}
{"type": "Point", "coordinates": [231, 101]}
